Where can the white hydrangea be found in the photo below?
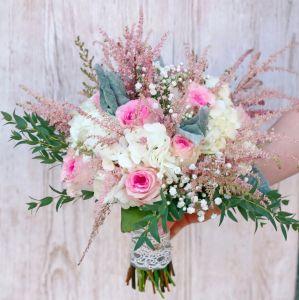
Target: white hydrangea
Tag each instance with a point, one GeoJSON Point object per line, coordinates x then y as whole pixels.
{"type": "Point", "coordinates": [84, 133]}
{"type": "Point", "coordinates": [223, 121]}
{"type": "Point", "coordinates": [223, 125]}
{"type": "Point", "coordinates": [82, 128]}
{"type": "Point", "coordinates": [151, 146]}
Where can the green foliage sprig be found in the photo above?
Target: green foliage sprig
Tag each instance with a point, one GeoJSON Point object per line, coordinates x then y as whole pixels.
{"type": "Point", "coordinates": [255, 210]}
{"type": "Point", "coordinates": [148, 217]}
{"type": "Point", "coordinates": [62, 198]}
{"type": "Point", "coordinates": [46, 143]}
{"type": "Point", "coordinates": [260, 211]}
{"type": "Point", "coordinates": [87, 68]}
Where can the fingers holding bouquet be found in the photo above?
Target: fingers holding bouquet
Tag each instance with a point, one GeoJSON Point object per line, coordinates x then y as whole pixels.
{"type": "Point", "coordinates": [188, 219]}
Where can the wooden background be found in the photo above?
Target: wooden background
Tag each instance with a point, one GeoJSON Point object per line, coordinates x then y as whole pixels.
{"type": "Point", "coordinates": [38, 253]}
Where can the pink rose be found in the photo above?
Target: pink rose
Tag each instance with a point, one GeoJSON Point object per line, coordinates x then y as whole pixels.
{"type": "Point", "coordinates": [143, 185]}
{"type": "Point", "coordinates": [76, 174]}
{"type": "Point", "coordinates": [199, 95]}
{"type": "Point", "coordinates": [184, 149]}
{"type": "Point", "coordinates": [138, 112]}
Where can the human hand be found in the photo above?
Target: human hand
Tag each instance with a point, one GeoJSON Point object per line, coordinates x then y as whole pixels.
{"type": "Point", "coordinates": [286, 148]}
{"type": "Point", "coordinates": [188, 219]}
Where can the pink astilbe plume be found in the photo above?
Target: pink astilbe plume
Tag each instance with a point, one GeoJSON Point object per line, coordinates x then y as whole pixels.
{"type": "Point", "coordinates": [197, 65]}
{"type": "Point", "coordinates": [102, 209]}
{"type": "Point", "coordinates": [106, 121]}
{"type": "Point", "coordinates": [229, 75]}
{"type": "Point", "coordinates": [132, 57]}
{"type": "Point", "coordinates": [102, 212]}
{"type": "Point", "coordinates": [54, 112]}
{"type": "Point", "coordinates": [249, 89]}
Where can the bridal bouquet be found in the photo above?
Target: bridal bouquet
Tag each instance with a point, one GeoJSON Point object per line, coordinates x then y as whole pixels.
{"type": "Point", "coordinates": [161, 142]}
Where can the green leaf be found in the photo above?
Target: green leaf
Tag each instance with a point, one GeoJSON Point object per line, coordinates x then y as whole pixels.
{"type": "Point", "coordinates": [31, 205]}
{"type": "Point", "coordinates": [87, 195]}
{"type": "Point", "coordinates": [284, 214]}
{"type": "Point", "coordinates": [6, 116]}
{"type": "Point", "coordinates": [252, 215]}
{"type": "Point", "coordinates": [285, 202]}
{"type": "Point", "coordinates": [32, 137]}
{"type": "Point", "coordinates": [21, 123]}
{"type": "Point", "coordinates": [222, 214]}
{"type": "Point", "coordinates": [256, 226]}
{"type": "Point", "coordinates": [46, 201]}
{"type": "Point", "coordinates": [164, 215]}
{"type": "Point", "coordinates": [59, 203]}
{"type": "Point", "coordinates": [131, 216]}
{"type": "Point", "coordinates": [35, 131]}
{"type": "Point", "coordinates": [140, 241]}
{"type": "Point", "coordinates": [151, 207]}
{"type": "Point", "coordinates": [154, 231]}
{"type": "Point", "coordinates": [174, 211]}
{"type": "Point", "coordinates": [274, 204]}
{"type": "Point", "coordinates": [42, 130]}
{"type": "Point", "coordinates": [143, 222]}
{"type": "Point", "coordinates": [66, 199]}
{"type": "Point", "coordinates": [231, 216]}
{"type": "Point", "coordinates": [149, 243]}
{"type": "Point", "coordinates": [233, 202]}
{"type": "Point", "coordinates": [243, 212]}
{"type": "Point", "coordinates": [15, 136]}
{"type": "Point", "coordinates": [273, 194]}
{"type": "Point", "coordinates": [263, 211]}
{"type": "Point", "coordinates": [284, 232]}
{"type": "Point", "coordinates": [21, 143]}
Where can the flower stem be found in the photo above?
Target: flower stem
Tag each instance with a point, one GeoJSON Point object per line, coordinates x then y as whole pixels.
{"type": "Point", "coordinates": [160, 279]}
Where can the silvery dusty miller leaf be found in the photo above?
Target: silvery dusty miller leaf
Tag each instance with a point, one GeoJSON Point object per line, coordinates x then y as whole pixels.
{"type": "Point", "coordinates": [195, 128]}
{"type": "Point", "coordinates": [112, 91]}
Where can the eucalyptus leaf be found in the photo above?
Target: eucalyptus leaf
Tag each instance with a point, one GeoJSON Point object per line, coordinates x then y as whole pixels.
{"type": "Point", "coordinates": [20, 122]}
{"type": "Point", "coordinates": [32, 130]}
{"type": "Point", "coordinates": [46, 201]}
{"type": "Point", "coordinates": [6, 116]}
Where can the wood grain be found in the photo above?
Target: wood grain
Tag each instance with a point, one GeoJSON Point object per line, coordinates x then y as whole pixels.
{"type": "Point", "coordinates": [38, 253]}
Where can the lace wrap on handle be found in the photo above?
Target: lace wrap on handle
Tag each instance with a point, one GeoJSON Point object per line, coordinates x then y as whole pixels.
{"type": "Point", "coordinates": [145, 258]}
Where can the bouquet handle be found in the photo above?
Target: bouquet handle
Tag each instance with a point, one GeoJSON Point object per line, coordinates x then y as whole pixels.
{"type": "Point", "coordinates": [152, 265]}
